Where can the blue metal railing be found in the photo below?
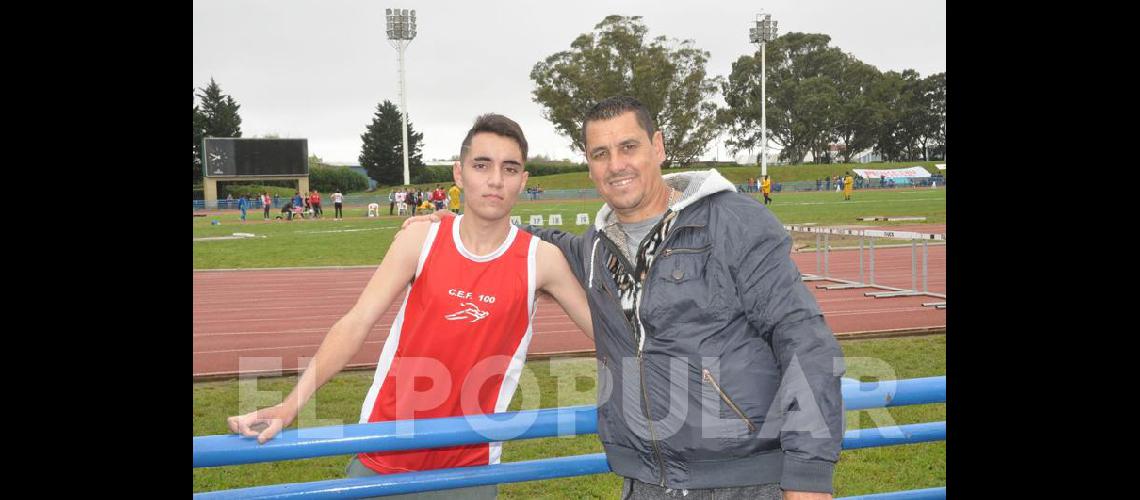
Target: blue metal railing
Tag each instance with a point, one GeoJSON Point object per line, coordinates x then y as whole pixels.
{"type": "Point", "coordinates": [210, 451]}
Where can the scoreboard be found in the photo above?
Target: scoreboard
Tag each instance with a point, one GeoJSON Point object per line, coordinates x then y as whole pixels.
{"type": "Point", "coordinates": [236, 157]}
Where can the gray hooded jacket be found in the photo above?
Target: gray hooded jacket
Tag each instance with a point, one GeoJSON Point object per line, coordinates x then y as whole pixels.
{"type": "Point", "coordinates": [736, 380]}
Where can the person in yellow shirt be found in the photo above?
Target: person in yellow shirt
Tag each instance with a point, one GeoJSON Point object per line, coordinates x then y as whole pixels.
{"type": "Point", "coordinates": [848, 181]}
{"type": "Point", "coordinates": [426, 207]}
{"type": "Point", "coordinates": [766, 188]}
{"type": "Point", "coordinates": [453, 195]}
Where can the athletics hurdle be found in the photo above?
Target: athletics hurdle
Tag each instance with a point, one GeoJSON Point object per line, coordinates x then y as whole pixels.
{"type": "Point", "coordinates": [871, 234]}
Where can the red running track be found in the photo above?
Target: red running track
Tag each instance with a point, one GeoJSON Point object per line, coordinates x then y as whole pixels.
{"type": "Point", "coordinates": [269, 320]}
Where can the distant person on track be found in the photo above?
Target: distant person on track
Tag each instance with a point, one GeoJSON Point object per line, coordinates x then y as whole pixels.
{"type": "Point", "coordinates": [338, 204]}
{"type": "Point", "coordinates": [465, 322]}
{"type": "Point", "coordinates": [848, 182]}
{"type": "Point", "coordinates": [266, 201]}
{"type": "Point", "coordinates": [401, 198]}
{"type": "Point", "coordinates": [243, 204]}
{"type": "Point", "coordinates": [766, 188]}
{"type": "Point", "coordinates": [286, 211]}
{"type": "Point", "coordinates": [315, 202]}
{"type": "Point", "coordinates": [439, 198]}
{"type": "Point", "coordinates": [453, 195]}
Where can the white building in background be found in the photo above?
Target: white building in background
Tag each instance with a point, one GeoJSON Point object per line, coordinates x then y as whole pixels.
{"type": "Point", "coordinates": [750, 158]}
{"type": "Point", "coordinates": [867, 156]}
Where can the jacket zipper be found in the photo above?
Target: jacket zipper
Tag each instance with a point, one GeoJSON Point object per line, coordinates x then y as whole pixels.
{"type": "Point", "coordinates": [649, 420]}
{"type": "Point", "coordinates": [641, 370]}
{"type": "Point", "coordinates": [671, 251]}
{"type": "Point", "coordinates": [723, 396]}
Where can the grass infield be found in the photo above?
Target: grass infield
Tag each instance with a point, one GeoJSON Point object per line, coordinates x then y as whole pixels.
{"type": "Point", "coordinates": [359, 240]}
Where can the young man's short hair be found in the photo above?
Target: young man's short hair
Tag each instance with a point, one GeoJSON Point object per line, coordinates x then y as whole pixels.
{"type": "Point", "coordinates": [498, 125]}
{"type": "Point", "coordinates": [613, 107]}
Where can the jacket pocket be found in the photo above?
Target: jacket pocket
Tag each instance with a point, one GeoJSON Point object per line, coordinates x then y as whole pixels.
{"type": "Point", "coordinates": [682, 289]}
{"type": "Point", "coordinates": [708, 378]}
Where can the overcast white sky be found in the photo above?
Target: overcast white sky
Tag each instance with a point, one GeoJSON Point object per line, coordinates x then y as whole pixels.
{"type": "Point", "coordinates": [317, 69]}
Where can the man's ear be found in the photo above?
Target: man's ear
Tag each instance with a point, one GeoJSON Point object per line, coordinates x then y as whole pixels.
{"type": "Point", "coordinates": [456, 174]}
{"type": "Point", "coordinates": [659, 146]}
{"type": "Point", "coordinates": [525, 176]}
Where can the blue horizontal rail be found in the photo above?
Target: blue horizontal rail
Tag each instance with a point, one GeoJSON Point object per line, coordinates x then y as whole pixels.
{"type": "Point", "coordinates": [895, 435]}
{"type": "Point", "coordinates": [232, 449]}
{"type": "Point", "coordinates": [413, 482]}
{"type": "Point", "coordinates": [534, 470]}
{"type": "Point", "coordinates": [887, 393]}
{"type": "Point", "coordinates": [923, 494]}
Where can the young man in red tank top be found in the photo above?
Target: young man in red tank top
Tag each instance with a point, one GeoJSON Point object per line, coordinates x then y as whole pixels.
{"type": "Point", "coordinates": [466, 320]}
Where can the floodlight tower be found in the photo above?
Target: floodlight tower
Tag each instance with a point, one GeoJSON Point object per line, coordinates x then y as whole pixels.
{"type": "Point", "coordinates": [401, 31]}
{"type": "Point", "coordinates": [761, 34]}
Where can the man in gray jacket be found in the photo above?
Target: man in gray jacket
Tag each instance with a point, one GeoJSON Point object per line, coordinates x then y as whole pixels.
{"type": "Point", "coordinates": [717, 375]}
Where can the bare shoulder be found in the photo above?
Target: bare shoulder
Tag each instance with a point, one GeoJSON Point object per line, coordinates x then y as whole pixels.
{"type": "Point", "coordinates": [551, 265]}
{"type": "Point", "coordinates": [549, 254]}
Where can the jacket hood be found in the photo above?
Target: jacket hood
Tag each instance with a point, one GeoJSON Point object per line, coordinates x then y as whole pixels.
{"type": "Point", "coordinates": [692, 185]}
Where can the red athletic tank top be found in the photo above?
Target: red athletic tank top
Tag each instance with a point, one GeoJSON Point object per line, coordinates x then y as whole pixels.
{"type": "Point", "coordinates": [457, 346]}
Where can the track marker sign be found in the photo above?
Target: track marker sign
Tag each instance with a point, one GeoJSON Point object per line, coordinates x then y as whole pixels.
{"type": "Point", "coordinates": [583, 220]}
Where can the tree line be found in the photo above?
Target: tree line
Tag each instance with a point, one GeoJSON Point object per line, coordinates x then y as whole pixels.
{"type": "Point", "coordinates": [817, 96]}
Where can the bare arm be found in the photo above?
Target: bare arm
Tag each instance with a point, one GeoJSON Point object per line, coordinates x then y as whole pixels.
{"type": "Point", "coordinates": [344, 339]}
{"type": "Point", "coordinates": [555, 278]}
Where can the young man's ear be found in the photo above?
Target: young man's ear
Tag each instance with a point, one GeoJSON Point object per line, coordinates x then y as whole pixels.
{"type": "Point", "coordinates": [525, 176]}
{"type": "Point", "coordinates": [456, 171]}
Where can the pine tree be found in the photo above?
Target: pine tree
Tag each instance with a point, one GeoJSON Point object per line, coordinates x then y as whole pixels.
{"type": "Point", "coordinates": [382, 155]}
{"type": "Point", "coordinates": [221, 112]}
{"type": "Point", "coordinates": [199, 133]}
{"type": "Point", "coordinates": [217, 117]}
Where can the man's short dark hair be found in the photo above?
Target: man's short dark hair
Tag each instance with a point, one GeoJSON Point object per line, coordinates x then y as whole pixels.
{"type": "Point", "coordinates": [495, 124]}
{"type": "Point", "coordinates": [613, 107]}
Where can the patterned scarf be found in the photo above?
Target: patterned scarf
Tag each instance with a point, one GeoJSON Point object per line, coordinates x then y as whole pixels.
{"type": "Point", "coordinates": [630, 282]}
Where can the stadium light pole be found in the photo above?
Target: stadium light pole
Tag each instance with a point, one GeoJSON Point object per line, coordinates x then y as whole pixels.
{"type": "Point", "coordinates": [763, 32]}
{"type": "Point", "coordinates": [401, 31]}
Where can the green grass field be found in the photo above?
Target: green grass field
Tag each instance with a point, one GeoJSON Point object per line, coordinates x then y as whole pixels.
{"type": "Point", "coordinates": [567, 382]}
{"type": "Point", "coordinates": [738, 175]}
{"type": "Point", "coordinates": [358, 240]}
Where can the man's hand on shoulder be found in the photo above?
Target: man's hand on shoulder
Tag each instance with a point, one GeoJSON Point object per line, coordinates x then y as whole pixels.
{"type": "Point", "coordinates": [417, 219]}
